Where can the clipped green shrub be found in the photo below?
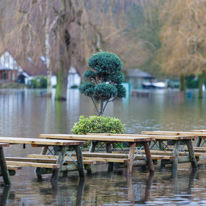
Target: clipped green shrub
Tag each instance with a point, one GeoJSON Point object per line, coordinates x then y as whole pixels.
{"type": "Point", "coordinates": [98, 124]}
{"type": "Point", "coordinates": [103, 80]}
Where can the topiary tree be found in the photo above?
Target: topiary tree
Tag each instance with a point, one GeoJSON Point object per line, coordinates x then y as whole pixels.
{"type": "Point", "coordinates": [103, 80]}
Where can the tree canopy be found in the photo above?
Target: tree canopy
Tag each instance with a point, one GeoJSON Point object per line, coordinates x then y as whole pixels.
{"type": "Point", "coordinates": [104, 79]}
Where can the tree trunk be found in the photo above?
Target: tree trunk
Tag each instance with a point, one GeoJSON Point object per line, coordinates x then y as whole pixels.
{"type": "Point", "coordinates": [201, 82]}
{"type": "Point", "coordinates": [101, 108]}
{"type": "Point", "coordinates": [182, 86]}
{"type": "Point", "coordinates": [47, 50]}
{"type": "Point", "coordinates": [61, 88]}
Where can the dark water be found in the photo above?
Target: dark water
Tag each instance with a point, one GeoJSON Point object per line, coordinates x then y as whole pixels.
{"type": "Point", "coordinates": [24, 114]}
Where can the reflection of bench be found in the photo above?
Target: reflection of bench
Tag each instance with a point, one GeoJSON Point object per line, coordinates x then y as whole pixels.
{"type": "Point", "coordinates": [140, 94]}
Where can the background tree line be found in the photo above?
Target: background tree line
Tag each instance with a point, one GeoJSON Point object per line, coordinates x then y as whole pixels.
{"type": "Point", "coordinates": [164, 38]}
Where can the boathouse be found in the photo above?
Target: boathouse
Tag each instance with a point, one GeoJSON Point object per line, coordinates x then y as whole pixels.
{"type": "Point", "coordinates": [135, 77]}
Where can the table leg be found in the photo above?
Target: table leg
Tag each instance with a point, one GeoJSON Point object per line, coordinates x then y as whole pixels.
{"type": "Point", "coordinates": [38, 170]}
{"type": "Point", "coordinates": [191, 153]}
{"type": "Point", "coordinates": [80, 161]}
{"type": "Point", "coordinates": [199, 139]}
{"type": "Point", "coordinates": [149, 158]}
{"type": "Point", "coordinates": [131, 156]}
{"type": "Point", "coordinates": [60, 162]}
{"type": "Point", "coordinates": [4, 171]}
{"type": "Point", "coordinates": [176, 154]}
{"type": "Point", "coordinates": [92, 146]}
{"type": "Point", "coordinates": [109, 150]}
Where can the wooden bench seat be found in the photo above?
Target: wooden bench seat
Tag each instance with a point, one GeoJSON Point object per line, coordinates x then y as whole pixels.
{"type": "Point", "coordinates": [105, 157]}
{"type": "Point", "coordinates": [12, 167]}
{"type": "Point", "coordinates": [167, 152]}
{"type": "Point", "coordinates": [34, 158]}
{"type": "Point", "coordinates": [32, 164]}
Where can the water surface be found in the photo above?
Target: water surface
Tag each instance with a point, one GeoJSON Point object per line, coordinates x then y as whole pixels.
{"type": "Point", "coordinates": [24, 114]}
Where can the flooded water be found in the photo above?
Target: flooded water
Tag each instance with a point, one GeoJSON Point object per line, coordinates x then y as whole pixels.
{"type": "Point", "coordinates": [24, 114]}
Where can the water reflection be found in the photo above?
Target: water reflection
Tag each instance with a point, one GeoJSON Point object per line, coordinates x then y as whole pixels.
{"type": "Point", "coordinates": [24, 114]}
{"type": "Point", "coordinates": [6, 195]}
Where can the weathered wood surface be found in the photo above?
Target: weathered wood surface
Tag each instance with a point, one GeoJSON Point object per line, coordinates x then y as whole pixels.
{"type": "Point", "coordinates": [80, 161]}
{"type": "Point", "coordinates": [176, 154]}
{"type": "Point", "coordinates": [88, 156]}
{"type": "Point", "coordinates": [96, 137]}
{"type": "Point", "coordinates": [165, 153]}
{"type": "Point", "coordinates": [4, 170]}
{"type": "Point", "coordinates": [94, 159]}
{"type": "Point", "coordinates": [41, 159]}
{"type": "Point", "coordinates": [131, 156]}
{"type": "Point", "coordinates": [4, 144]}
{"type": "Point", "coordinates": [59, 161]}
{"type": "Point", "coordinates": [191, 153]}
{"type": "Point", "coordinates": [12, 167]}
{"type": "Point", "coordinates": [160, 136]}
{"type": "Point", "coordinates": [33, 164]}
{"type": "Point", "coordinates": [37, 141]}
{"type": "Point", "coordinates": [149, 159]}
{"type": "Point", "coordinates": [201, 131]}
{"type": "Point", "coordinates": [179, 133]}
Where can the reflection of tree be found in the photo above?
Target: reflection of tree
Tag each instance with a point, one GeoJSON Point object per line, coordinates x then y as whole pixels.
{"type": "Point", "coordinates": [60, 117]}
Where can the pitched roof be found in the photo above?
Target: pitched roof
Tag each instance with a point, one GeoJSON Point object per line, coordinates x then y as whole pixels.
{"type": "Point", "coordinates": [138, 73]}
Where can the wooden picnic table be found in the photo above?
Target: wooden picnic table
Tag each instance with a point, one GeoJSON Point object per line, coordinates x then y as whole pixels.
{"type": "Point", "coordinates": [132, 141]}
{"type": "Point", "coordinates": [62, 144]}
{"type": "Point", "coordinates": [185, 137]}
{"type": "Point", "coordinates": [201, 136]}
{"type": "Point", "coordinates": [4, 170]}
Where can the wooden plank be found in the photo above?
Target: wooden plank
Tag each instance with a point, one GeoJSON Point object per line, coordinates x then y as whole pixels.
{"type": "Point", "coordinates": [4, 145]}
{"type": "Point", "coordinates": [103, 155]}
{"type": "Point", "coordinates": [191, 153]}
{"type": "Point", "coordinates": [201, 131]}
{"type": "Point", "coordinates": [80, 161]}
{"type": "Point", "coordinates": [44, 160]}
{"type": "Point", "coordinates": [125, 138]}
{"type": "Point", "coordinates": [33, 164]}
{"type": "Point", "coordinates": [149, 159]}
{"type": "Point", "coordinates": [158, 136]}
{"type": "Point", "coordinates": [12, 167]}
{"type": "Point", "coordinates": [158, 152]}
{"type": "Point", "coordinates": [176, 154]}
{"type": "Point", "coordinates": [97, 159]}
{"type": "Point", "coordinates": [4, 170]}
{"type": "Point", "coordinates": [37, 141]}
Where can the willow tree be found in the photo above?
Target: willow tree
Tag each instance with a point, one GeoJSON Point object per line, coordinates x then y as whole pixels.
{"type": "Point", "coordinates": [183, 37]}
{"type": "Point", "coordinates": [105, 78]}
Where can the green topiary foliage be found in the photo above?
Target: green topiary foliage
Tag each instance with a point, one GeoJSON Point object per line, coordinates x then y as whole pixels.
{"type": "Point", "coordinates": [105, 79]}
{"type": "Point", "coordinates": [98, 124]}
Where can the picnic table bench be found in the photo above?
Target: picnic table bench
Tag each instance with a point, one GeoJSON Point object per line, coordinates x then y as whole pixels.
{"type": "Point", "coordinates": [182, 138]}
{"type": "Point", "coordinates": [54, 166]}
{"type": "Point", "coordinates": [108, 140]}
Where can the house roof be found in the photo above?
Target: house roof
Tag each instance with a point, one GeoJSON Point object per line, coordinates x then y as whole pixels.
{"type": "Point", "coordinates": [4, 68]}
{"type": "Point", "coordinates": [138, 73]}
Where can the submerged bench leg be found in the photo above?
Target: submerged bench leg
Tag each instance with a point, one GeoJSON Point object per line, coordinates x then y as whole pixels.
{"type": "Point", "coordinates": [199, 139]}
{"type": "Point", "coordinates": [109, 150]}
{"type": "Point", "coordinates": [176, 154]}
{"type": "Point", "coordinates": [80, 161]}
{"type": "Point", "coordinates": [131, 156]}
{"type": "Point", "coordinates": [60, 162]}
{"type": "Point", "coordinates": [149, 158]}
{"type": "Point", "coordinates": [4, 170]}
{"type": "Point", "coordinates": [191, 153]}
{"type": "Point", "coordinates": [38, 170]}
